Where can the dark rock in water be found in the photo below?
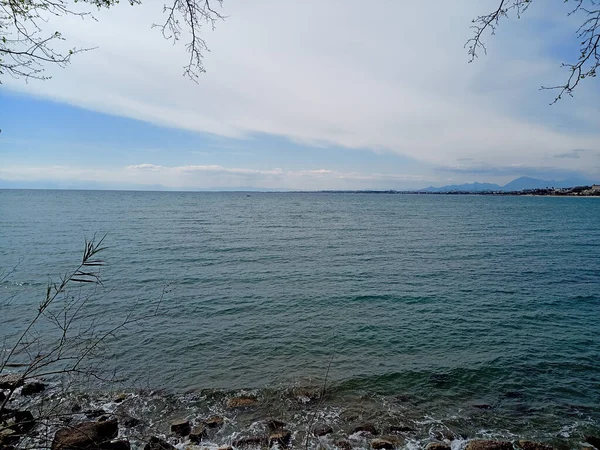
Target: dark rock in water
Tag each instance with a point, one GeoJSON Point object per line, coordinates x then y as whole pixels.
{"type": "Point", "coordinates": [249, 441]}
{"type": "Point", "coordinates": [33, 388]}
{"type": "Point", "coordinates": [120, 398]}
{"type": "Point", "coordinates": [366, 427]}
{"type": "Point", "coordinates": [156, 443]}
{"type": "Point", "coordinates": [20, 422]}
{"type": "Point", "coordinates": [488, 445]}
{"type": "Point", "coordinates": [530, 445]}
{"type": "Point", "coordinates": [400, 429]}
{"type": "Point", "coordinates": [75, 408]}
{"type": "Point", "coordinates": [181, 427]}
{"type": "Point", "coordinates": [94, 413]}
{"type": "Point", "coordinates": [130, 422]}
{"type": "Point", "coordinates": [306, 395]}
{"type": "Point", "coordinates": [386, 444]}
{"type": "Point", "coordinates": [343, 444]}
{"type": "Point", "coordinates": [441, 435]}
{"type": "Point", "coordinates": [87, 435]}
{"type": "Point", "coordinates": [214, 422]}
{"type": "Point", "coordinates": [483, 406]}
{"type": "Point", "coordinates": [242, 402]}
{"type": "Point", "coordinates": [403, 398]}
{"type": "Point", "coordinates": [225, 448]}
{"type": "Point", "coordinates": [2, 396]}
{"type": "Point", "coordinates": [280, 437]}
{"type": "Point", "coordinates": [8, 438]}
{"type": "Point", "coordinates": [323, 431]}
{"type": "Point", "coordinates": [274, 424]}
{"type": "Point", "coordinates": [198, 433]}
{"type": "Point", "coordinates": [10, 381]}
{"type": "Point", "coordinates": [593, 440]}
{"type": "Point", "coordinates": [117, 445]}
{"type": "Point", "coordinates": [438, 446]}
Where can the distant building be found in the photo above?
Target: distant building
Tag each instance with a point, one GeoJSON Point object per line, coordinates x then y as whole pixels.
{"type": "Point", "coordinates": [596, 188]}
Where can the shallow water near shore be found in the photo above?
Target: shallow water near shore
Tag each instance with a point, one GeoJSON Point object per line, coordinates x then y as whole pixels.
{"type": "Point", "coordinates": [476, 314]}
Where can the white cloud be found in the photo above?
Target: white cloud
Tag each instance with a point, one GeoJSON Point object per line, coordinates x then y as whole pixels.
{"type": "Point", "coordinates": [387, 76]}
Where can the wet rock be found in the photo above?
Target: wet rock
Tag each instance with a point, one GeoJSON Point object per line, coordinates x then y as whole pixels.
{"type": "Point", "coordinates": [446, 434]}
{"type": "Point", "coordinates": [130, 422]}
{"type": "Point", "coordinates": [403, 398]}
{"type": "Point", "coordinates": [438, 446]}
{"type": "Point", "coordinates": [181, 427]}
{"type": "Point", "coordinates": [120, 398]}
{"type": "Point", "coordinates": [483, 406]}
{"type": "Point", "coordinates": [593, 440]}
{"type": "Point", "coordinates": [2, 396]}
{"type": "Point", "coordinates": [306, 395]}
{"type": "Point", "coordinates": [378, 444]}
{"type": "Point", "coordinates": [94, 413]}
{"type": "Point", "coordinates": [117, 445]}
{"type": "Point", "coordinates": [33, 388]}
{"type": "Point", "coordinates": [225, 448]}
{"type": "Point", "coordinates": [156, 443]}
{"type": "Point", "coordinates": [488, 445]}
{"type": "Point", "coordinates": [10, 381]}
{"type": "Point", "coordinates": [400, 429]}
{"type": "Point", "coordinates": [87, 435]}
{"type": "Point", "coordinates": [323, 430]}
{"type": "Point", "coordinates": [274, 424]}
{"type": "Point", "coordinates": [20, 422]}
{"type": "Point", "coordinates": [214, 422]}
{"type": "Point", "coordinates": [75, 408]}
{"type": "Point", "coordinates": [249, 441]}
{"type": "Point", "coordinates": [198, 433]}
{"type": "Point", "coordinates": [242, 402]}
{"type": "Point", "coordinates": [366, 427]}
{"type": "Point", "coordinates": [343, 444]}
{"type": "Point", "coordinates": [280, 437]}
{"type": "Point", "coordinates": [530, 445]}
{"type": "Point", "coordinates": [8, 438]}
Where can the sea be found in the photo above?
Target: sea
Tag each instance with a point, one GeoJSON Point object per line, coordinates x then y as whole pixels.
{"type": "Point", "coordinates": [437, 318]}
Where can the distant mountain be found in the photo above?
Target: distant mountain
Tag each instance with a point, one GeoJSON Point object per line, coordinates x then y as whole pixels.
{"type": "Point", "coordinates": [519, 184]}
{"type": "Point", "coordinates": [468, 187]}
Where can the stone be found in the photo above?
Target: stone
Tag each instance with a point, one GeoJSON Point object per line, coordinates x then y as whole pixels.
{"type": "Point", "coordinates": [86, 435]}
{"type": "Point", "coordinates": [8, 438]}
{"type": "Point", "coordinates": [401, 429]}
{"type": "Point", "coordinates": [130, 422]}
{"type": "Point", "coordinates": [198, 433]}
{"type": "Point", "coordinates": [280, 437]}
{"type": "Point", "coordinates": [489, 445]}
{"type": "Point", "coordinates": [593, 440]}
{"type": "Point", "coordinates": [530, 445]}
{"type": "Point", "coordinates": [10, 381]}
{"type": "Point", "coordinates": [75, 408]}
{"type": "Point", "coordinates": [2, 396]}
{"type": "Point", "coordinates": [120, 398]}
{"type": "Point", "coordinates": [366, 427]}
{"type": "Point", "coordinates": [214, 422]}
{"type": "Point", "coordinates": [156, 443]}
{"type": "Point", "coordinates": [323, 431]}
{"type": "Point", "coordinates": [94, 413]}
{"type": "Point", "coordinates": [378, 444]}
{"type": "Point", "coordinates": [181, 427]}
{"type": "Point", "coordinates": [438, 446]}
{"type": "Point", "coordinates": [225, 448]}
{"type": "Point", "coordinates": [306, 395]}
{"type": "Point", "coordinates": [343, 444]}
{"type": "Point", "coordinates": [253, 441]}
{"type": "Point", "coordinates": [33, 388]}
{"type": "Point", "coordinates": [20, 422]}
{"type": "Point", "coordinates": [242, 402]}
{"type": "Point", "coordinates": [274, 424]}
{"type": "Point", "coordinates": [483, 406]}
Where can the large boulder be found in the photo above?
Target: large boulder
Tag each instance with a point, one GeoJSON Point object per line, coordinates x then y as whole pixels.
{"type": "Point", "coordinates": [86, 436]}
{"type": "Point", "coordinates": [280, 437]}
{"type": "Point", "coordinates": [156, 443]}
{"type": "Point", "coordinates": [489, 445]}
{"type": "Point", "coordinates": [11, 381]}
{"type": "Point", "coordinates": [242, 402]}
{"type": "Point", "coordinates": [198, 433]}
{"type": "Point", "coordinates": [214, 422]}
{"type": "Point", "coordinates": [32, 388]}
{"type": "Point", "coordinates": [181, 427]}
{"type": "Point", "coordinates": [366, 427]}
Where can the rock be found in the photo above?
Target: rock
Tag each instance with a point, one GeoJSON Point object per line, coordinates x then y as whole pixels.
{"type": "Point", "coordinates": [593, 440]}
{"type": "Point", "coordinates": [225, 448]}
{"type": "Point", "coordinates": [130, 422]}
{"type": "Point", "coordinates": [483, 406]}
{"type": "Point", "coordinates": [94, 413]}
{"type": "Point", "coordinates": [343, 445]}
{"type": "Point", "coordinates": [86, 435]}
{"type": "Point", "coordinates": [274, 424]}
{"type": "Point", "coordinates": [378, 444]}
{"type": "Point", "coordinates": [489, 445]}
{"type": "Point", "coordinates": [198, 433]}
{"type": "Point", "coordinates": [530, 445]}
{"type": "Point", "coordinates": [249, 441]}
{"type": "Point", "coordinates": [120, 398]}
{"type": "Point", "coordinates": [400, 429]}
{"type": "Point", "coordinates": [33, 388]}
{"type": "Point", "coordinates": [2, 396]}
{"type": "Point", "coordinates": [75, 408]}
{"type": "Point", "coordinates": [306, 395]}
{"type": "Point", "coordinates": [366, 427]}
{"type": "Point", "coordinates": [438, 446]}
{"type": "Point", "coordinates": [280, 437]}
{"type": "Point", "coordinates": [117, 445]}
{"type": "Point", "coordinates": [242, 402]}
{"type": "Point", "coordinates": [10, 381]}
{"type": "Point", "coordinates": [156, 443]}
{"type": "Point", "coordinates": [8, 438]}
{"type": "Point", "coordinates": [214, 422]}
{"type": "Point", "coordinates": [20, 422]}
{"type": "Point", "coordinates": [323, 431]}
{"type": "Point", "coordinates": [181, 427]}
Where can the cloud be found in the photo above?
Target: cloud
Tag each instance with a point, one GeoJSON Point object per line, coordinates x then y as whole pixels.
{"type": "Point", "coordinates": [574, 154]}
{"type": "Point", "coordinates": [326, 73]}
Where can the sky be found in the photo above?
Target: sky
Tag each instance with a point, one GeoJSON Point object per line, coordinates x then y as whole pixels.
{"type": "Point", "coordinates": [305, 96]}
